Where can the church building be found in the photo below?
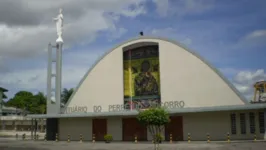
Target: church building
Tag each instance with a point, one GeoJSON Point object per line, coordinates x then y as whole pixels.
{"type": "Point", "coordinates": [148, 71]}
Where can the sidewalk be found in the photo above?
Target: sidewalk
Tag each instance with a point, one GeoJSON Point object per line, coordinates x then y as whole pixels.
{"type": "Point", "coordinates": [19, 133]}
{"type": "Point", "coordinates": [148, 142]}
{"type": "Point", "coordinates": [64, 145]}
{"type": "Point", "coordinates": [12, 135]}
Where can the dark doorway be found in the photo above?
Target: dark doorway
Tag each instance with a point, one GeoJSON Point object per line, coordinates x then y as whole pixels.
{"type": "Point", "coordinates": [51, 128]}
{"type": "Point", "coordinates": [175, 127]}
{"type": "Point", "coordinates": [132, 127]}
{"type": "Point", "coordinates": [99, 128]}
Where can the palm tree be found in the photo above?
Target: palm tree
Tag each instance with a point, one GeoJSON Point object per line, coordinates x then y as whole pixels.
{"type": "Point", "coordinates": [66, 94]}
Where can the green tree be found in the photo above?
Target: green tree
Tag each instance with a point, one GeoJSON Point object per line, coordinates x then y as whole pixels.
{"type": "Point", "coordinates": [154, 119]}
{"type": "Point", "coordinates": [27, 101]}
{"type": "Point", "coordinates": [22, 100]}
{"type": "Point", "coordinates": [42, 106]}
{"type": "Point", "coordinates": [66, 94]}
{"type": "Point", "coordinates": [40, 99]}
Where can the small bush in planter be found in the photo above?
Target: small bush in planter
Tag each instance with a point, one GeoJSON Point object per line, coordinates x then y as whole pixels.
{"type": "Point", "coordinates": [158, 138]}
{"type": "Point", "coordinates": [108, 138]}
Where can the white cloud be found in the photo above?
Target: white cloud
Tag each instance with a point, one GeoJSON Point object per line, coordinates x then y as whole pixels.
{"type": "Point", "coordinates": [115, 34]}
{"type": "Point", "coordinates": [186, 41]}
{"type": "Point", "coordinates": [27, 28]}
{"type": "Point", "coordinates": [162, 7]}
{"type": "Point", "coordinates": [182, 7]}
{"type": "Point", "coordinates": [163, 32]}
{"type": "Point", "coordinates": [229, 71]}
{"type": "Point", "coordinates": [83, 20]}
{"type": "Point", "coordinates": [35, 78]}
{"type": "Point", "coordinates": [252, 39]}
{"type": "Point", "coordinates": [256, 34]}
{"type": "Point", "coordinates": [247, 77]}
{"type": "Point", "coordinates": [171, 33]}
{"type": "Point", "coordinates": [244, 81]}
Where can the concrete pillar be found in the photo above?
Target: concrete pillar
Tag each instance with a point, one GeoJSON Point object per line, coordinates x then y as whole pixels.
{"type": "Point", "coordinates": [31, 129]}
{"type": "Point", "coordinates": [54, 108]}
{"type": "Point", "coordinates": [1, 100]}
{"type": "Point", "coordinates": [15, 125]}
{"type": "Point", "coordinates": [58, 81]}
{"type": "Point", "coordinates": [3, 124]}
{"type": "Point", "coordinates": [35, 127]}
{"type": "Point", "coordinates": [42, 125]}
{"type": "Point", "coordinates": [49, 80]}
{"type": "Point", "coordinates": [38, 129]}
{"type": "Point", "coordinates": [264, 124]}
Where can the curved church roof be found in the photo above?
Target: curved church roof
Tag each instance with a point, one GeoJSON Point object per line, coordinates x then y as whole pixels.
{"type": "Point", "coordinates": [245, 101]}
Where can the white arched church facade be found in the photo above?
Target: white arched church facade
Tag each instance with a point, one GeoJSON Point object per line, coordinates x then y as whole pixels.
{"type": "Point", "coordinates": [150, 71]}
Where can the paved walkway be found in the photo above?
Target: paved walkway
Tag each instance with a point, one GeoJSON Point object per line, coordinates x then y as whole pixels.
{"type": "Point", "coordinates": [11, 143]}
{"type": "Point", "coordinates": [6, 144]}
{"type": "Point", "coordinates": [12, 134]}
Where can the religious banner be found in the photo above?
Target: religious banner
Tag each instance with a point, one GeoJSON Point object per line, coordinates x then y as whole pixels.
{"type": "Point", "coordinates": [141, 76]}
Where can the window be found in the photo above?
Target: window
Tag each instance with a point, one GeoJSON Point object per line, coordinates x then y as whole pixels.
{"type": "Point", "coordinates": [252, 122]}
{"type": "Point", "coordinates": [261, 122]}
{"type": "Point", "coordinates": [233, 123]}
{"type": "Point", "coordinates": [243, 123]}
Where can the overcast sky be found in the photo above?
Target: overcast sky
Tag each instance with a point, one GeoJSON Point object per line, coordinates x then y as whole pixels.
{"type": "Point", "coordinates": [231, 35]}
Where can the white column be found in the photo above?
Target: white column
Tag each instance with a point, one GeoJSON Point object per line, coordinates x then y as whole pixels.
{"type": "Point", "coordinates": [1, 100]}
{"type": "Point", "coordinates": [264, 124]}
{"type": "Point", "coordinates": [58, 75]}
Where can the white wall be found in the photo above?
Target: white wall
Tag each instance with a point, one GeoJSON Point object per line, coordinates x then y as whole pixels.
{"type": "Point", "coordinates": [104, 85]}
{"type": "Point", "coordinates": [115, 128]}
{"type": "Point", "coordinates": [198, 125]}
{"type": "Point", "coordinates": [74, 127]}
{"type": "Point", "coordinates": [77, 126]}
{"type": "Point", "coordinates": [183, 77]}
{"type": "Point", "coordinates": [217, 124]}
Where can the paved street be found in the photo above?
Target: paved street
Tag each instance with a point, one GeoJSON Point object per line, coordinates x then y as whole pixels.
{"type": "Point", "coordinates": [11, 144]}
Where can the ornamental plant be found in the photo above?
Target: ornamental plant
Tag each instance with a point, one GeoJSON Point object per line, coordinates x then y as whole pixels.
{"type": "Point", "coordinates": [154, 119]}
{"type": "Point", "coordinates": [158, 138]}
{"type": "Point", "coordinates": [108, 138]}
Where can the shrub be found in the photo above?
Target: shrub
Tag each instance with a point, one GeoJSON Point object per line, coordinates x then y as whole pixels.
{"type": "Point", "coordinates": [108, 137]}
{"type": "Point", "coordinates": [158, 138]}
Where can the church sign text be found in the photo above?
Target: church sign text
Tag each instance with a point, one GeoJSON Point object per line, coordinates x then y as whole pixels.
{"type": "Point", "coordinates": [122, 107]}
{"type": "Point", "coordinates": [119, 107]}
{"type": "Point", "coordinates": [76, 109]}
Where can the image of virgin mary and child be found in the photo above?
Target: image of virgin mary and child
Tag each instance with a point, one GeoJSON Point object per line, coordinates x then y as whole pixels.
{"type": "Point", "coordinates": [145, 83]}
